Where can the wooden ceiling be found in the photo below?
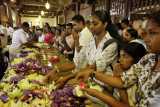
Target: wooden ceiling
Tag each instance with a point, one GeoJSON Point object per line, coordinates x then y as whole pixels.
{"type": "Point", "coordinates": [33, 8]}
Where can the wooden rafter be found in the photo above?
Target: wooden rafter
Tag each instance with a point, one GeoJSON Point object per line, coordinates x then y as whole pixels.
{"type": "Point", "coordinates": [36, 3]}
{"type": "Point", "coordinates": [36, 9]}
{"type": "Point", "coordinates": [46, 14]}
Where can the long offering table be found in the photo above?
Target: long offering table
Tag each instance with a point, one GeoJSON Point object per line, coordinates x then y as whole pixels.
{"type": "Point", "coordinates": [23, 86]}
{"type": "Point", "coordinates": [46, 54]}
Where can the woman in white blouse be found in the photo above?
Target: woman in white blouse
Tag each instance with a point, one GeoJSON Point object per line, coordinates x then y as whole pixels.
{"type": "Point", "coordinates": [93, 55]}
{"type": "Point", "coordinates": [145, 74]}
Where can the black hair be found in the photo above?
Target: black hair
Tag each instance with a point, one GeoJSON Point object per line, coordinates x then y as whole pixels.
{"type": "Point", "coordinates": [47, 24]}
{"type": "Point", "coordinates": [78, 18]}
{"type": "Point", "coordinates": [33, 26]}
{"type": "Point", "coordinates": [49, 29]}
{"type": "Point", "coordinates": [7, 22]}
{"type": "Point", "coordinates": [69, 24]}
{"type": "Point", "coordinates": [63, 25]}
{"type": "Point", "coordinates": [104, 17]}
{"type": "Point", "coordinates": [125, 21]}
{"type": "Point", "coordinates": [133, 33]}
{"type": "Point", "coordinates": [135, 50]}
{"type": "Point", "coordinates": [59, 25]}
{"type": "Point", "coordinates": [0, 22]}
{"type": "Point", "coordinates": [25, 24]}
{"type": "Point", "coordinates": [54, 27]}
{"type": "Point", "coordinates": [15, 28]}
{"type": "Point", "coordinates": [59, 31]}
{"type": "Point", "coordinates": [119, 25]}
{"type": "Point", "coordinates": [155, 16]}
{"type": "Point", "coordinates": [40, 30]}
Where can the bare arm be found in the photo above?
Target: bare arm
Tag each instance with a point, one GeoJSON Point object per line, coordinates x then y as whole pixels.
{"type": "Point", "coordinates": [105, 98]}
{"type": "Point", "coordinates": [67, 67]}
{"type": "Point", "coordinates": [93, 66]}
{"type": "Point", "coordinates": [30, 45]}
{"type": "Point", "coordinates": [49, 77]}
{"type": "Point", "coordinates": [110, 80]}
{"type": "Point", "coordinates": [124, 96]}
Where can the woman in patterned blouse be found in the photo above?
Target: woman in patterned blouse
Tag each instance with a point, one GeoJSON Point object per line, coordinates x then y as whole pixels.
{"type": "Point", "coordinates": [146, 73]}
{"type": "Point", "coordinates": [93, 54]}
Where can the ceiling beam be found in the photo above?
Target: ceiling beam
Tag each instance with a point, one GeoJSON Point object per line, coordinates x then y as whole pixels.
{"type": "Point", "coordinates": [36, 3]}
{"type": "Point", "coordinates": [49, 14]}
{"type": "Point", "coordinates": [36, 9]}
{"type": "Point", "coordinates": [34, 16]}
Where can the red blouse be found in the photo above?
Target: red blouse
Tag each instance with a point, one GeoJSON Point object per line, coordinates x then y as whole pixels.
{"type": "Point", "coordinates": [48, 38]}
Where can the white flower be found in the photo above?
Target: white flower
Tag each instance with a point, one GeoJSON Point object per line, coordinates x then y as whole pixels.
{"type": "Point", "coordinates": [96, 87]}
{"type": "Point", "coordinates": [78, 91]}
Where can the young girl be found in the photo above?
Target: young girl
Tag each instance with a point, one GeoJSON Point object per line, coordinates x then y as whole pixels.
{"type": "Point", "coordinates": [145, 73]}
{"type": "Point", "coordinates": [93, 53]}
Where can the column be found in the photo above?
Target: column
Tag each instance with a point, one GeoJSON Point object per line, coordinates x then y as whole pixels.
{"type": "Point", "coordinates": [65, 16]}
{"type": "Point", "coordinates": [9, 12]}
{"type": "Point", "coordinates": [92, 8]}
{"type": "Point", "coordinates": [107, 3]}
{"type": "Point", "coordinates": [127, 8]}
{"type": "Point", "coordinates": [77, 8]}
{"type": "Point", "coordinates": [56, 18]}
{"type": "Point", "coordinates": [17, 18]}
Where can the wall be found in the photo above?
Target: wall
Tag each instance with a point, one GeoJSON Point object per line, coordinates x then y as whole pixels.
{"type": "Point", "coordinates": [51, 21]}
{"type": "Point", "coordinates": [85, 11]}
{"type": "Point", "coordinates": [69, 16]}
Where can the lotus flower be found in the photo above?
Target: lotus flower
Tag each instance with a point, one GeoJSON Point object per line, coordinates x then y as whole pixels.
{"type": "Point", "coordinates": [17, 78]}
{"type": "Point", "coordinates": [4, 97]}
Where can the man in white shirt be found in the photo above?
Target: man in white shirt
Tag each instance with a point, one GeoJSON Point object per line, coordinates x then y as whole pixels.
{"type": "Point", "coordinates": [80, 32]}
{"type": "Point", "coordinates": [19, 39]}
{"type": "Point", "coordinates": [9, 30]}
{"type": "Point", "coordinates": [3, 35]}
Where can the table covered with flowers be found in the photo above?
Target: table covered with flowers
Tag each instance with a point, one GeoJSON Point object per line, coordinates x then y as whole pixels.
{"type": "Point", "coordinates": [23, 85]}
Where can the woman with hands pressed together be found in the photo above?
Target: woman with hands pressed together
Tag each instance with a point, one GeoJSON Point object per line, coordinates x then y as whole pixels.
{"type": "Point", "coordinates": [92, 55]}
{"type": "Point", "coordinates": [145, 73]}
{"type": "Point", "coordinates": [129, 55]}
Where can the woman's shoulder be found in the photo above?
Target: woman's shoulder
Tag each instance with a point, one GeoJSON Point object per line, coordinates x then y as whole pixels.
{"type": "Point", "coordinates": [148, 58]}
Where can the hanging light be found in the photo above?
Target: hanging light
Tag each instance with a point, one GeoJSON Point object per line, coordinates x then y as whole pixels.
{"type": "Point", "coordinates": [39, 17]}
{"type": "Point", "coordinates": [47, 5]}
{"type": "Point", "coordinates": [42, 12]}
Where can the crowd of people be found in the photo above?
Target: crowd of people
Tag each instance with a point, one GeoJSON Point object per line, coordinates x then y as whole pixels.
{"type": "Point", "coordinates": [123, 58]}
